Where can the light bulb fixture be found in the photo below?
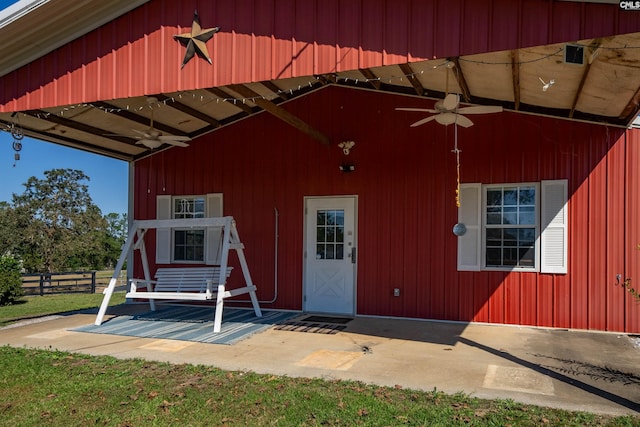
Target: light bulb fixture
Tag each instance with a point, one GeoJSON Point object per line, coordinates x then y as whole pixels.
{"type": "Point", "coordinates": [545, 85]}
{"type": "Point", "coordinates": [347, 146]}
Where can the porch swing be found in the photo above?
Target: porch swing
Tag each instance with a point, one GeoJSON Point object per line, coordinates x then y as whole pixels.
{"type": "Point", "coordinates": [184, 283]}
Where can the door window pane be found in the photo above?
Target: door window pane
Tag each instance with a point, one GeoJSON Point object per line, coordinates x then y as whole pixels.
{"type": "Point", "coordinates": [330, 234]}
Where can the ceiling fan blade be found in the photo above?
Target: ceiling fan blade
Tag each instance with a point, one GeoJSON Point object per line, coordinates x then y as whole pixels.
{"type": "Point", "coordinates": [424, 110]}
{"type": "Point", "coordinates": [176, 143]}
{"type": "Point", "coordinates": [423, 121]}
{"type": "Point", "coordinates": [463, 121]}
{"type": "Point", "coordinates": [168, 138]}
{"type": "Point", "coordinates": [481, 109]}
{"type": "Point", "coordinates": [451, 101]}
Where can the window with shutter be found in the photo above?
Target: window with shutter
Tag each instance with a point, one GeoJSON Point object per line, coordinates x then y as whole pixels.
{"type": "Point", "coordinates": [188, 245]}
{"type": "Point", "coordinates": [514, 227]}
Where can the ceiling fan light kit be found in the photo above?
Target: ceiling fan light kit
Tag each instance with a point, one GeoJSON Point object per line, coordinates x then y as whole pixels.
{"type": "Point", "coordinates": [152, 138]}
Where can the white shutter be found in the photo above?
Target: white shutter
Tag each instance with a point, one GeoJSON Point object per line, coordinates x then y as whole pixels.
{"type": "Point", "coordinates": [470, 214]}
{"type": "Point", "coordinates": [214, 234]}
{"type": "Point", "coordinates": [163, 236]}
{"type": "Point", "coordinates": [553, 235]}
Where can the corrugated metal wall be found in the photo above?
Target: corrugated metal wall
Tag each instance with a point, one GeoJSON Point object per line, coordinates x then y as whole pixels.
{"type": "Point", "coordinates": [405, 181]}
{"type": "Point", "coordinates": [135, 55]}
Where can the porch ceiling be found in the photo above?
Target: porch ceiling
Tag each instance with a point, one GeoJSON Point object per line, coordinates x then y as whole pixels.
{"type": "Point", "coordinates": [603, 88]}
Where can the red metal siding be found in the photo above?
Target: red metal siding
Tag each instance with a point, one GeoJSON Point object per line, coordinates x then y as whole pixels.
{"type": "Point", "coordinates": [405, 182]}
{"type": "Point", "coordinates": [136, 55]}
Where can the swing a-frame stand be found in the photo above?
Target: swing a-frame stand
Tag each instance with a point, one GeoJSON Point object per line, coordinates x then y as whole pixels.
{"type": "Point", "coordinates": [184, 283]}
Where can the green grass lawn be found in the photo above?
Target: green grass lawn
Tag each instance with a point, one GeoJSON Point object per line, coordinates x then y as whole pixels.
{"type": "Point", "coordinates": [35, 306]}
{"type": "Point", "coordinates": [60, 389]}
{"type": "Point", "coordinates": [53, 388]}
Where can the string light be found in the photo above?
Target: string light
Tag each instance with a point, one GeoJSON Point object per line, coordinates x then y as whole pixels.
{"type": "Point", "coordinates": [310, 84]}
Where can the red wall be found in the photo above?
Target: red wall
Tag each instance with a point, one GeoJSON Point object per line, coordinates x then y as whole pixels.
{"type": "Point", "coordinates": [135, 55]}
{"type": "Point", "coordinates": [405, 182]}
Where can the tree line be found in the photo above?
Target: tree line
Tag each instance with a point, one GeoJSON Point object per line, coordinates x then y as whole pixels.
{"type": "Point", "coordinates": [54, 225]}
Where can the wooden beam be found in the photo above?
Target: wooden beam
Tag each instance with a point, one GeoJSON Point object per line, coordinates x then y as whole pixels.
{"type": "Point", "coordinates": [188, 110]}
{"type": "Point", "coordinates": [372, 79]}
{"type": "Point", "coordinates": [632, 109]}
{"type": "Point", "coordinates": [594, 45]}
{"type": "Point", "coordinates": [408, 71]}
{"type": "Point", "coordinates": [280, 113]}
{"type": "Point", "coordinates": [275, 89]}
{"type": "Point", "coordinates": [227, 96]}
{"type": "Point", "coordinates": [515, 74]}
{"type": "Point", "coordinates": [462, 82]}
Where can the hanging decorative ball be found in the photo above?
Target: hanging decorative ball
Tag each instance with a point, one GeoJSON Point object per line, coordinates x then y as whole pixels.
{"type": "Point", "coordinates": [459, 229]}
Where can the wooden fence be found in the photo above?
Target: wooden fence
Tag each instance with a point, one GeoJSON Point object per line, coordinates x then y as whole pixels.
{"type": "Point", "coordinates": [65, 282]}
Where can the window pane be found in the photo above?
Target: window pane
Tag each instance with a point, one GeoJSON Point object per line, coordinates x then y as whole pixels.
{"type": "Point", "coordinates": [339, 251]}
{"type": "Point", "coordinates": [320, 235]}
{"type": "Point", "coordinates": [527, 215]}
{"type": "Point", "coordinates": [494, 237]}
{"type": "Point", "coordinates": [494, 216]}
{"type": "Point", "coordinates": [510, 215]}
{"type": "Point", "coordinates": [494, 257]}
{"type": "Point", "coordinates": [320, 252]}
{"type": "Point", "coordinates": [527, 236]}
{"type": "Point", "coordinates": [331, 235]}
{"type": "Point", "coordinates": [179, 253]}
{"type": "Point", "coordinates": [527, 257]}
{"type": "Point", "coordinates": [510, 237]}
{"type": "Point", "coordinates": [510, 256]}
{"type": "Point", "coordinates": [510, 233]}
{"type": "Point", "coordinates": [339, 217]}
{"type": "Point", "coordinates": [330, 252]}
{"type": "Point", "coordinates": [321, 217]}
{"type": "Point", "coordinates": [494, 197]}
{"type": "Point", "coordinates": [527, 196]}
{"type": "Point", "coordinates": [510, 196]}
{"type": "Point", "coordinates": [331, 217]}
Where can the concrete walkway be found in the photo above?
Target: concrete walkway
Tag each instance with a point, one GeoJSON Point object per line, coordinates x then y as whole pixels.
{"type": "Point", "coordinates": [575, 370]}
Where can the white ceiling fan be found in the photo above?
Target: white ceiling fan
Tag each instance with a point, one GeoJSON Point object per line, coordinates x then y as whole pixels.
{"type": "Point", "coordinates": [152, 138]}
{"type": "Point", "coordinates": [446, 112]}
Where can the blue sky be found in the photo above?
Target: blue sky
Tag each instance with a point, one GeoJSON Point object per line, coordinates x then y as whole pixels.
{"type": "Point", "coordinates": [108, 177]}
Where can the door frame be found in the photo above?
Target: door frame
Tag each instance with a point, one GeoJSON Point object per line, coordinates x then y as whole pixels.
{"type": "Point", "coordinates": [305, 237]}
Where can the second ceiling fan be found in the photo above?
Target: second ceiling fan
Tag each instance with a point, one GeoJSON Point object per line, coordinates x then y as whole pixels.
{"type": "Point", "coordinates": [446, 112]}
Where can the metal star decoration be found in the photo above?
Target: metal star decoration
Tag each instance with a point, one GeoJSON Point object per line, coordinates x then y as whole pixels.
{"type": "Point", "coordinates": [196, 40]}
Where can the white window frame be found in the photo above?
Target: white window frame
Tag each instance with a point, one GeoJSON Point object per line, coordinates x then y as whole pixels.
{"type": "Point", "coordinates": [165, 238]}
{"type": "Point", "coordinates": [552, 232]}
{"type": "Point", "coordinates": [536, 225]}
{"type": "Point", "coordinates": [189, 198]}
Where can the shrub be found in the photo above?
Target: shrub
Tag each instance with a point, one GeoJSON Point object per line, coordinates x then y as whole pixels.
{"type": "Point", "coordinates": [10, 280]}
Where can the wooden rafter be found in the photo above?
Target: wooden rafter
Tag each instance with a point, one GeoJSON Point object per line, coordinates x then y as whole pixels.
{"type": "Point", "coordinates": [462, 82]}
{"type": "Point", "coordinates": [275, 89]}
{"type": "Point", "coordinates": [593, 46]}
{"type": "Point", "coordinates": [281, 113]}
{"type": "Point", "coordinates": [632, 109]}
{"type": "Point", "coordinates": [371, 77]}
{"type": "Point", "coordinates": [408, 71]}
{"type": "Point", "coordinates": [220, 93]}
{"type": "Point", "coordinates": [515, 73]}
{"type": "Point", "coordinates": [188, 110]}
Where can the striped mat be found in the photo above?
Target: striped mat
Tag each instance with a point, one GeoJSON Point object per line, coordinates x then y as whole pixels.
{"type": "Point", "coordinates": [189, 323]}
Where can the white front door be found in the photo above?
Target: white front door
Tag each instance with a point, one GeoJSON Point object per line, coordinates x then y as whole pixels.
{"type": "Point", "coordinates": [330, 255]}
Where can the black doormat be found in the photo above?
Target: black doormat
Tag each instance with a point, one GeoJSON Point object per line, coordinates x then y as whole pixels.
{"type": "Point", "coordinates": [327, 319]}
{"type": "Point", "coordinates": [310, 327]}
